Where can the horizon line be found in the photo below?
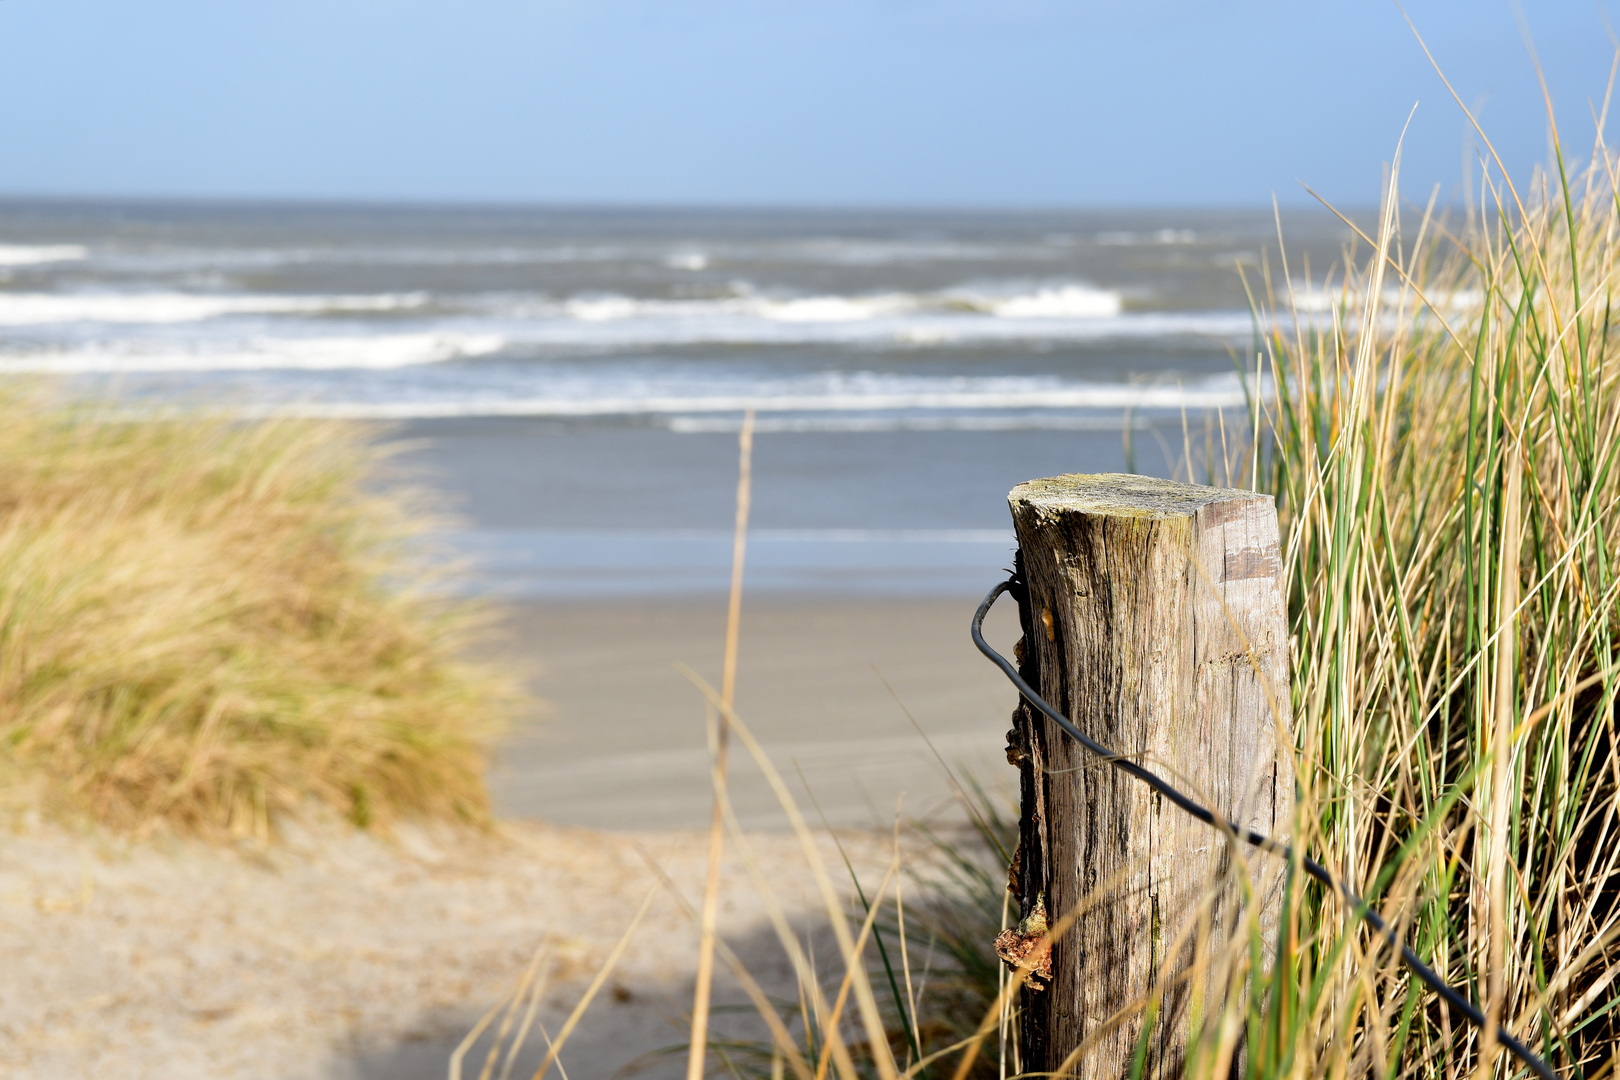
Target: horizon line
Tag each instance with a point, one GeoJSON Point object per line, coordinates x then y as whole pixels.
{"type": "Point", "coordinates": [646, 206]}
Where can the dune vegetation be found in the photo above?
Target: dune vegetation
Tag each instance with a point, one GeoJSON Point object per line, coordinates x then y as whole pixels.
{"type": "Point", "coordinates": [1438, 417]}
{"type": "Point", "coordinates": [206, 623]}
{"type": "Point", "coordinates": [1443, 442]}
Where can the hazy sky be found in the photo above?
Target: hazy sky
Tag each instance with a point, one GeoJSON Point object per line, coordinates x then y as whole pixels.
{"type": "Point", "coordinates": [1012, 102]}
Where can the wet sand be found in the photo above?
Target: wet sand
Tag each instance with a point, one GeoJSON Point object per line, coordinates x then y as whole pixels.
{"type": "Point", "coordinates": [620, 742]}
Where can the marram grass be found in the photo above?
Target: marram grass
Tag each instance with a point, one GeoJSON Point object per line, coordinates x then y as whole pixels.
{"type": "Point", "coordinates": [1443, 438]}
{"type": "Point", "coordinates": [205, 623]}
{"type": "Point", "coordinates": [1443, 446]}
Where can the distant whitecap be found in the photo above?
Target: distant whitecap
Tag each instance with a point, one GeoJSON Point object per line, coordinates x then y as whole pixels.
{"type": "Point", "coordinates": [687, 260]}
{"type": "Point", "coordinates": [1068, 302]}
{"type": "Point", "coordinates": [36, 254]}
{"type": "Point", "coordinates": [357, 352]}
{"type": "Point", "coordinates": [37, 309]}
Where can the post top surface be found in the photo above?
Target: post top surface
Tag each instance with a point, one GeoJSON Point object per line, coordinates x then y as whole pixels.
{"type": "Point", "coordinates": [1123, 494]}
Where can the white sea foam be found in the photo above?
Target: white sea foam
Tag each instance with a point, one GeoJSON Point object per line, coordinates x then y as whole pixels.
{"type": "Point", "coordinates": [351, 352]}
{"type": "Point", "coordinates": [198, 332]}
{"type": "Point", "coordinates": [962, 315]}
{"type": "Point", "coordinates": [37, 254]}
{"type": "Point", "coordinates": [733, 309]}
{"type": "Point", "coordinates": [38, 309]}
{"type": "Point", "coordinates": [611, 323]}
{"type": "Point", "coordinates": [838, 309]}
{"type": "Point", "coordinates": [1067, 302]}
{"type": "Point", "coordinates": [967, 314]}
{"type": "Point", "coordinates": [873, 394]}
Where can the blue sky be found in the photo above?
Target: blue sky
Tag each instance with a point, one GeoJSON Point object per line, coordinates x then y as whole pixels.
{"type": "Point", "coordinates": [868, 102]}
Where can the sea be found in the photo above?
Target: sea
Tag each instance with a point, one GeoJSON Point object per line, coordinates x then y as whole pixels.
{"type": "Point", "coordinates": [574, 379]}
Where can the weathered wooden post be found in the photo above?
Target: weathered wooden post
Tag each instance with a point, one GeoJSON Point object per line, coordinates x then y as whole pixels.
{"type": "Point", "coordinates": [1153, 618]}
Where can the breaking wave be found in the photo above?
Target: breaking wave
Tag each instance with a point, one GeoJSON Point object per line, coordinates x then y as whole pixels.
{"type": "Point", "coordinates": [353, 352]}
{"type": "Point", "coordinates": [43, 309]}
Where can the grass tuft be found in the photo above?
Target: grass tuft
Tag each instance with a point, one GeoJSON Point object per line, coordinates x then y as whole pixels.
{"type": "Point", "coordinates": [206, 623]}
{"type": "Point", "coordinates": [1442, 441]}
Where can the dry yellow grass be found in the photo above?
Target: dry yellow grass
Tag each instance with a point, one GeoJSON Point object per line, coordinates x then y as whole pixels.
{"type": "Point", "coordinates": [1440, 422]}
{"type": "Point", "coordinates": [206, 623]}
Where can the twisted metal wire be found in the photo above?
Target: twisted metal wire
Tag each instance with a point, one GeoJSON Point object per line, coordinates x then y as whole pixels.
{"type": "Point", "coordinates": [1427, 975]}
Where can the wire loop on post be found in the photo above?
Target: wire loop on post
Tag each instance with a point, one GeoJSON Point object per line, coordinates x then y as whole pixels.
{"type": "Point", "coordinates": [1425, 974]}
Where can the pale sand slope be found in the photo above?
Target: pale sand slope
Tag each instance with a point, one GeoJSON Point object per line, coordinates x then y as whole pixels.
{"type": "Point", "coordinates": [622, 745]}
{"type": "Point", "coordinates": [337, 956]}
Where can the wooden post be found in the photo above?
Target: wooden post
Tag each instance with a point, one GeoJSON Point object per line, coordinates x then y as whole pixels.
{"type": "Point", "coordinates": [1153, 618]}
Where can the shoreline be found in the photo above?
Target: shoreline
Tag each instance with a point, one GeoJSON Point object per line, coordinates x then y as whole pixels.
{"type": "Point", "coordinates": [619, 740]}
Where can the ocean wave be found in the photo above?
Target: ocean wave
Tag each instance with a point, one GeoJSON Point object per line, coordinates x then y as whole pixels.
{"type": "Point", "coordinates": [1066, 301]}
{"type": "Point", "coordinates": [618, 323]}
{"type": "Point", "coordinates": [844, 251]}
{"type": "Point", "coordinates": [1155, 236]}
{"type": "Point", "coordinates": [892, 395]}
{"type": "Point", "coordinates": [36, 254]}
{"type": "Point", "coordinates": [966, 314]}
{"type": "Point", "coordinates": [963, 316]}
{"type": "Point", "coordinates": [40, 309]}
{"type": "Point", "coordinates": [354, 352]}
{"type": "Point", "coordinates": [1069, 301]}
{"type": "Point", "coordinates": [686, 254]}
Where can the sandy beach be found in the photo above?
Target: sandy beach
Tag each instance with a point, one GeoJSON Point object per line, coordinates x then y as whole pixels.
{"type": "Point", "coordinates": [620, 741]}
{"type": "Point", "coordinates": [333, 955]}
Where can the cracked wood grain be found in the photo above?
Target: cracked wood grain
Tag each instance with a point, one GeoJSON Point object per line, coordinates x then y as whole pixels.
{"type": "Point", "coordinates": [1153, 617]}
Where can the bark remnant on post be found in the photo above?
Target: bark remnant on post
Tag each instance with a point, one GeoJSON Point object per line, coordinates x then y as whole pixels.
{"type": "Point", "coordinates": [1153, 617]}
